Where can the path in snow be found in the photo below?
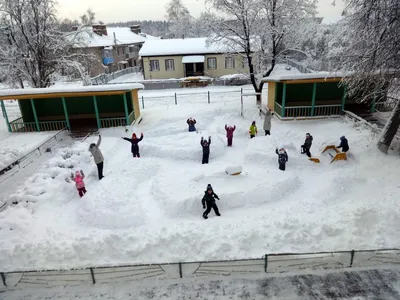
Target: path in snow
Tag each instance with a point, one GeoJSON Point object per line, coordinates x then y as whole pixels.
{"type": "Point", "coordinates": [149, 209]}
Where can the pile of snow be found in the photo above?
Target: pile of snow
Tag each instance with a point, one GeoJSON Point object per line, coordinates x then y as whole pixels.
{"type": "Point", "coordinates": [148, 209]}
{"type": "Point", "coordinates": [14, 146]}
{"type": "Point", "coordinates": [233, 170]}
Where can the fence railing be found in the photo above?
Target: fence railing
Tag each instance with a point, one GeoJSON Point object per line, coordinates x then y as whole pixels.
{"type": "Point", "coordinates": [293, 112]}
{"type": "Point", "coordinates": [269, 263]}
{"type": "Point", "coordinates": [386, 106]}
{"type": "Point", "coordinates": [295, 64]}
{"type": "Point", "coordinates": [19, 125]}
{"type": "Point", "coordinates": [112, 122]}
{"type": "Point", "coordinates": [30, 157]}
{"type": "Point", "coordinates": [106, 78]}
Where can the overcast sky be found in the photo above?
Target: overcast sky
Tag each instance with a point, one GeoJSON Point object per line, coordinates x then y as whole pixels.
{"type": "Point", "coordinates": [126, 10]}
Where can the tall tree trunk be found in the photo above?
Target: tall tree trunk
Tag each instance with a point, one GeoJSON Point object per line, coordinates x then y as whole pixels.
{"type": "Point", "coordinates": [390, 129]}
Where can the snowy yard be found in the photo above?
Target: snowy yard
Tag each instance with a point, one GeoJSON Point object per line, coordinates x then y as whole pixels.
{"type": "Point", "coordinates": [13, 146]}
{"type": "Point", "coordinates": [149, 209]}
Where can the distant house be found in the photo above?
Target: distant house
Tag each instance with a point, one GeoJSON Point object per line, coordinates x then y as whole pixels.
{"type": "Point", "coordinates": [178, 58]}
{"type": "Point", "coordinates": [116, 48]}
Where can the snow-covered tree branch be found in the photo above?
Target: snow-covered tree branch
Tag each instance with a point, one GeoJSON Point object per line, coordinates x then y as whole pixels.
{"type": "Point", "coordinates": [373, 55]}
{"type": "Point", "coordinates": [259, 28]}
{"type": "Point", "coordinates": [33, 48]}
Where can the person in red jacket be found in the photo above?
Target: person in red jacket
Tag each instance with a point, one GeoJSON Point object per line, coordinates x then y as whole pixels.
{"type": "Point", "coordinates": [229, 133]}
{"type": "Point", "coordinates": [135, 147]}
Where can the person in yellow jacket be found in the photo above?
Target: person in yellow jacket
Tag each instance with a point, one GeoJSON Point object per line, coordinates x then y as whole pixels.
{"type": "Point", "coordinates": [253, 129]}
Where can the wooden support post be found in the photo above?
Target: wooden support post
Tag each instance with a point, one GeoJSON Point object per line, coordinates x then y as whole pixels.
{"type": "Point", "coordinates": [35, 115]}
{"type": "Point", "coordinates": [344, 97]}
{"type": "Point", "coordinates": [314, 94]}
{"type": "Point", "coordinates": [126, 110]}
{"type": "Point", "coordinates": [3, 108]}
{"type": "Point", "coordinates": [66, 112]}
{"type": "Point", "coordinates": [96, 110]}
{"type": "Point", "coordinates": [283, 100]}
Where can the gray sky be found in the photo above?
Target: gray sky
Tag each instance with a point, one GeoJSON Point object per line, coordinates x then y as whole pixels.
{"type": "Point", "coordinates": [126, 10]}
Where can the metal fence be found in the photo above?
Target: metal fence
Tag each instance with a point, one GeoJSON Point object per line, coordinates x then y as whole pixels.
{"type": "Point", "coordinates": [30, 157]}
{"type": "Point", "coordinates": [209, 97]}
{"type": "Point", "coordinates": [106, 78]}
{"type": "Point", "coordinates": [302, 68]}
{"type": "Point", "coordinates": [269, 263]}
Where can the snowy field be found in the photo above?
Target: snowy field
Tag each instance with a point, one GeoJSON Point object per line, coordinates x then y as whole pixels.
{"type": "Point", "coordinates": [149, 210]}
{"type": "Point", "coordinates": [13, 146]}
{"type": "Point", "coordinates": [353, 284]}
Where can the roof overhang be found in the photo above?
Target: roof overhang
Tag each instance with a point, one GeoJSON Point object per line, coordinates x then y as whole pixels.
{"type": "Point", "coordinates": [193, 59]}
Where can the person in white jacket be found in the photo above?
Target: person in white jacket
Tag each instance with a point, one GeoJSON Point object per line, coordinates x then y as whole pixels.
{"type": "Point", "coordinates": [267, 121]}
{"type": "Point", "coordinates": [98, 157]}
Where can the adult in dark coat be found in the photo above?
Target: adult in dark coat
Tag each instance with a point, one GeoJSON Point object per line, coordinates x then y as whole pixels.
{"type": "Point", "coordinates": [344, 144]}
{"type": "Point", "coordinates": [134, 141]}
{"type": "Point", "coordinates": [191, 122]}
{"type": "Point", "coordinates": [305, 148]}
{"type": "Point", "coordinates": [209, 199]}
{"type": "Point", "coordinates": [206, 149]}
{"type": "Point", "coordinates": [282, 158]}
{"type": "Point", "coordinates": [229, 134]}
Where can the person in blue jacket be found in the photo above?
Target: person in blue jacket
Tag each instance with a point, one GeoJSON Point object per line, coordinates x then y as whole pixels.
{"type": "Point", "coordinates": [191, 122]}
{"type": "Point", "coordinates": [344, 144]}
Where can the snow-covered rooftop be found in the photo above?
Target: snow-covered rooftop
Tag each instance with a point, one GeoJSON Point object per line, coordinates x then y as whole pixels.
{"type": "Point", "coordinates": [183, 46]}
{"type": "Point", "coordinates": [83, 89]}
{"type": "Point", "coordinates": [124, 36]}
{"type": "Point", "coordinates": [316, 75]}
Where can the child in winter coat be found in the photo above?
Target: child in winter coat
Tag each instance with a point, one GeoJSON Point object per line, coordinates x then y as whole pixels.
{"type": "Point", "coordinates": [206, 149]}
{"type": "Point", "coordinates": [209, 199]}
{"type": "Point", "coordinates": [191, 122]}
{"type": "Point", "coordinates": [305, 148]}
{"type": "Point", "coordinates": [135, 147]}
{"type": "Point", "coordinates": [344, 144]}
{"type": "Point", "coordinates": [229, 134]}
{"type": "Point", "coordinates": [253, 129]}
{"type": "Point", "coordinates": [80, 185]}
{"type": "Point", "coordinates": [282, 158]}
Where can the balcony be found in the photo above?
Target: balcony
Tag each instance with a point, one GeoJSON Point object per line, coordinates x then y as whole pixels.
{"type": "Point", "coordinates": [134, 54]}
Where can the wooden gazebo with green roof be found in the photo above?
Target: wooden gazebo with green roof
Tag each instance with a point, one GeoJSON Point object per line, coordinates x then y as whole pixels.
{"type": "Point", "coordinates": [77, 108]}
{"type": "Point", "coordinates": [312, 95]}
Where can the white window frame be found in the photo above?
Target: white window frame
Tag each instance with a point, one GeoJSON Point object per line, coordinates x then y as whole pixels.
{"type": "Point", "coordinates": [156, 67]}
{"type": "Point", "coordinates": [169, 65]}
{"type": "Point", "coordinates": [229, 59]}
{"type": "Point", "coordinates": [214, 59]}
{"type": "Point", "coordinates": [245, 63]}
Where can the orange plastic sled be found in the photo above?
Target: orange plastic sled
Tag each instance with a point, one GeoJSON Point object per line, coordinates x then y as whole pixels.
{"type": "Point", "coordinates": [339, 155]}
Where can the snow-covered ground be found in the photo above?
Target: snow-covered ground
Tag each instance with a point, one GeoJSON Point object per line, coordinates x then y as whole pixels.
{"type": "Point", "coordinates": [354, 284]}
{"type": "Point", "coordinates": [149, 209]}
{"type": "Point", "coordinates": [13, 146]}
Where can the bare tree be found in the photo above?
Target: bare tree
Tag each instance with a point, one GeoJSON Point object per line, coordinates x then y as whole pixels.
{"type": "Point", "coordinates": [373, 55]}
{"type": "Point", "coordinates": [32, 48]}
{"type": "Point", "coordinates": [259, 28]}
{"type": "Point", "coordinates": [88, 18]}
{"type": "Point", "coordinates": [179, 17]}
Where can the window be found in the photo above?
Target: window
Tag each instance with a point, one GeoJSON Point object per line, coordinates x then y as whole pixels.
{"type": "Point", "coordinates": [211, 63]}
{"type": "Point", "coordinates": [169, 65]}
{"type": "Point", "coordinates": [229, 63]}
{"type": "Point", "coordinates": [154, 65]}
{"type": "Point", "coordinates": [245, 63]}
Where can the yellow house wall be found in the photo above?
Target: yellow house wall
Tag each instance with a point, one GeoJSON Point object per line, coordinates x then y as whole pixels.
{"type": "Point", "coordinates": [179, 71]}
{"type": "Point", "coordinates": [271, 95]}
{"type": "Point", "coordinates": [135, 102]}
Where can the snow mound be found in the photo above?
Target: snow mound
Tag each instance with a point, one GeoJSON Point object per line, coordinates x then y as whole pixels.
{"type": "Point", "coordinates": [233, 170]}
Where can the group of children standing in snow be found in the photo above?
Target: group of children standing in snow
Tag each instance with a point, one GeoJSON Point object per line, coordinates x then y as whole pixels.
{"type": "Point", "coordinates": [208, 200]}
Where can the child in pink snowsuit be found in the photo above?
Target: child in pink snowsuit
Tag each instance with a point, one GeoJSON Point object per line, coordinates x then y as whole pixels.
{"type": "Point", "coordinates": [229, 134]}
{"type": "Point", "coordinates": [80, 185]}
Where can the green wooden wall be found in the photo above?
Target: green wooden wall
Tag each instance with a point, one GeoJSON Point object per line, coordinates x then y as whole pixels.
{"type": "Point", "coordinates": [75, 106]}
{"type": "Point", "coordinates": [279, 91]}
{"type": "Point", "coordinates": [299, 93]}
